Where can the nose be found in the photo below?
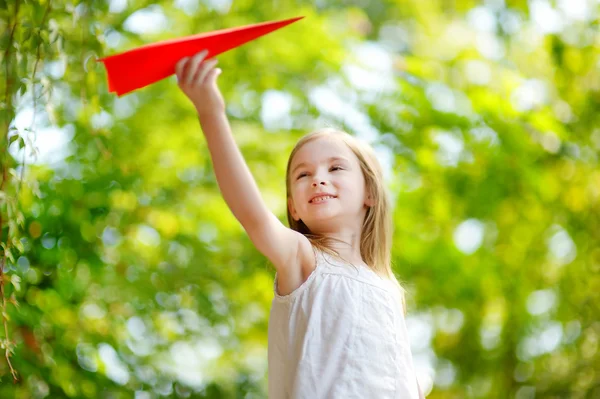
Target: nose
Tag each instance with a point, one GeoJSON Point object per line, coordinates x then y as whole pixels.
{"type": "Point", "coordinates": [318, 182]}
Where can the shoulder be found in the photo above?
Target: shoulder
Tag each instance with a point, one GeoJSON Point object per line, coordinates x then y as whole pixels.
{"type": "Point", "coordinates": [292, 275]}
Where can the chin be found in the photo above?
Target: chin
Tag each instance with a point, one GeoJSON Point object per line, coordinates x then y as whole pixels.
{"type": "Point", "coordinates": [324, 223]}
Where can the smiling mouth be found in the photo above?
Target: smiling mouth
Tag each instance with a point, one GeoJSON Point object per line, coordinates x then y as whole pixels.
{"type": "Point", "coordinates": [321, 198]}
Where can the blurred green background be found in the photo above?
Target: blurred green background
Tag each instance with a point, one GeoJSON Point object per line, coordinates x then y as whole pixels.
{"type": "Point", "coordinates": [125, 275]}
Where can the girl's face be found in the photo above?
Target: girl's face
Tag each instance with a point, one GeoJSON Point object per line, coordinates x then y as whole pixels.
{"type": "Point", "coordinates": [327, 186]}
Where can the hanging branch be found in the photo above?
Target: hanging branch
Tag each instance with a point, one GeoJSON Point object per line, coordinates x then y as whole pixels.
{"type": "Point", "coordinates": [38, 57]}
{"type": "Point", "coordinates": [7, 344]}
{"type": "Point", "coordinates": [5, 176]}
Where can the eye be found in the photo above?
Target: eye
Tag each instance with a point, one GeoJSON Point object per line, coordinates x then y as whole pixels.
{"type": "Point", "coordinates": [301, 175]}
{"type": "Point", "coordinates": [334, 168]}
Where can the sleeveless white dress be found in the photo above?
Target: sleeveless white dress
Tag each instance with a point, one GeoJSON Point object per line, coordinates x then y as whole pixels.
{"type": "Point", "coordinates": [340, 335]}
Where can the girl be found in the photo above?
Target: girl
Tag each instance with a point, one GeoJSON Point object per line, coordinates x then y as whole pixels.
{"type": "Point", "coordinates": [336, 328]}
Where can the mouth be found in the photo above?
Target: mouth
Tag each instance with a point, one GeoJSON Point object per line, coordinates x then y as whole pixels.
{"type": "Point", "coordinates": [321, 198]}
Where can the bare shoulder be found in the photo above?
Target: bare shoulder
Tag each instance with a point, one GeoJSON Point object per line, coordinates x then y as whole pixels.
{"type": "Point", "coordinates": [290, 252]}
{"type": "Point", "coordinates": [292, 277]}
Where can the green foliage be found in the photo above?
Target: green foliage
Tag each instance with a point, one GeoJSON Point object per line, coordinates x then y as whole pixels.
{"type": "Point", "coordinates": [124, 272]}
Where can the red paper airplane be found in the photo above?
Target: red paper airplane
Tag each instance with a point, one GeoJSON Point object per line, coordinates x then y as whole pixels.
{"type": "Point", "coordinates": [150, 63]}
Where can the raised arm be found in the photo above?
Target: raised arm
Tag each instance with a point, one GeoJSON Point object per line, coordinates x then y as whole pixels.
{"type": "Point", "coordinates": [285, 248]}
{"type": "Point", "coordinates": [233, 176]}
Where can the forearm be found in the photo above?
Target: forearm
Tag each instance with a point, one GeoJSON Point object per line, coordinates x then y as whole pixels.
{"type": "Point", "coordinates": [236, 183]}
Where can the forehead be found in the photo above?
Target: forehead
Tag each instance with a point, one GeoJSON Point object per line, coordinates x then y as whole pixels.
{"type": "Point", "coordinates": [321, 149]}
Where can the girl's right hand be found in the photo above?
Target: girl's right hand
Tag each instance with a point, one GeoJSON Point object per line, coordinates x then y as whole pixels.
{"type": "Point", "coordinates": [198, 80]}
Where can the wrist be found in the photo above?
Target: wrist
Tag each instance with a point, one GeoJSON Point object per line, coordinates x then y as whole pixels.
{"type": "Point", "coordinates": [208, 115]}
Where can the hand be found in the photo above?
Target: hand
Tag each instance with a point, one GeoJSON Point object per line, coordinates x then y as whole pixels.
{"type": "Point", "coordinates": [198, 80]}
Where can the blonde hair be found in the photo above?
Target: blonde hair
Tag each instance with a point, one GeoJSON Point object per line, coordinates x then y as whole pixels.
{"type": "Point", "coordinates": [376, 234]}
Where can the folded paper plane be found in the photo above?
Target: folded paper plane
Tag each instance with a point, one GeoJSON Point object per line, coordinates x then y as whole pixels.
{"type": "Point", "coordinates": [145, 65]}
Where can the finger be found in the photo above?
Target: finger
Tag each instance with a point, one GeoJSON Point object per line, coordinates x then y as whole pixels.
{"type": "Point", "coordinates": [195, 65]}
{"type": "Point", "coordinates": [180, 68]}
{"type": "Point", "coordinates": [204, 71]}
{"type": "Point", "coordinates": [211, 79]}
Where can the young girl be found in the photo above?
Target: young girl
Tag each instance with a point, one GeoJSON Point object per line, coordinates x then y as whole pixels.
{"type": "Point", "coordinates": [336, 328]}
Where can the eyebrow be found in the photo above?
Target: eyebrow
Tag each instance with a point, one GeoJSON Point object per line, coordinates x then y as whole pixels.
{"type": "Point", "coordinates": [329, 160]}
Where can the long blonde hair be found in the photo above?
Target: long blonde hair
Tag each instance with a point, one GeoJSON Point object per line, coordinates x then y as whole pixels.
{"type": "Point", "coordinates": [376, 234]}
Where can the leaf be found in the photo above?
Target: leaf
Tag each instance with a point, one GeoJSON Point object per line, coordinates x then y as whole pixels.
{"type": "Point", "coordinates": [13, 300]}
{"type": "Point", "coordinates": [44, 36]}
{"type": "Point", "coordinates": [9, 256]}
{"type": "Point", "coordinates": [16, 282]}
{"type": "Point", "coordinates": [13, 138]}
{"type": "Point", "coordinates": [18, 244]}
{"type": "Point", "coordinates": [20, 219]}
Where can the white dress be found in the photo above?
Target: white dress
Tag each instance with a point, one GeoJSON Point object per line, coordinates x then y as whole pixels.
{"type": "Point", "coordinates": [340, 335]}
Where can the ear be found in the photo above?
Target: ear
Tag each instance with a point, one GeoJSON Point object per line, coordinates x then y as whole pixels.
{"type": "Point", "coordinates": [369, 200]}
{"type": "Point", "coordinates": [292, 209]}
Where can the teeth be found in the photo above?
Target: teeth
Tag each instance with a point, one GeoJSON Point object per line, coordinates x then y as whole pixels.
{"type": "Point", "coordinates": [321, 199]}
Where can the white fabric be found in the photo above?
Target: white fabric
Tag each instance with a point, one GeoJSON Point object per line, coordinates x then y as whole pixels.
{"type": "Point", "coordinates": [341, 334]}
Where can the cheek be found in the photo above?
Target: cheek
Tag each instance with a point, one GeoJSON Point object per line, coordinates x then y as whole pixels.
{"type": "Point", "coordinates": [297, 192]}
{"type": "Point", "coordinates": [349, 183]}
{"type": "Point", "coordinates": [354, 187]}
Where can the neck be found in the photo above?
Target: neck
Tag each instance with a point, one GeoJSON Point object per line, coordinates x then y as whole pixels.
{"type": "Point", "coordinates": [346, 242]}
